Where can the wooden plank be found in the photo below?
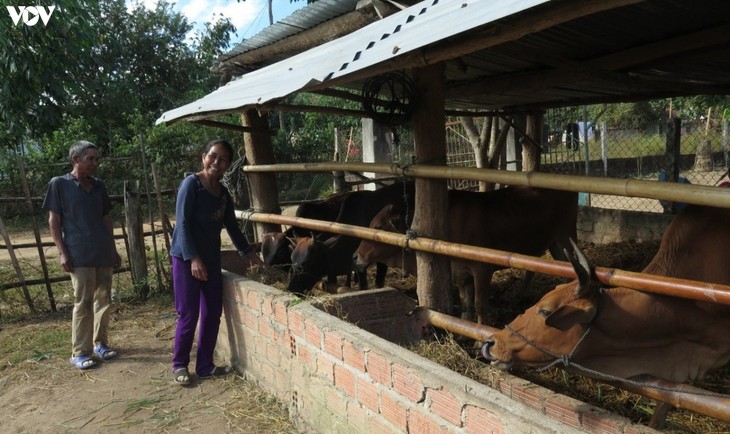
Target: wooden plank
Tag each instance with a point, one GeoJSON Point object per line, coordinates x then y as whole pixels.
{"type": "Point", "coordinates": [16, 265]}
{"type": "Point", "coordinates": [36, 233]}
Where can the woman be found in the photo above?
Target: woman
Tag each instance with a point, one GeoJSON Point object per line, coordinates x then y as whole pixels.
{"type": "Point", "coordinates": [203, 207]}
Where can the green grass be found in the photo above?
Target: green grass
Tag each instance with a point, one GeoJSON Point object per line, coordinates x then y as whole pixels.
{"type": "Point", "coordinates": [638, 145]}
{"type": "Point", "coordinates": [42, 344]}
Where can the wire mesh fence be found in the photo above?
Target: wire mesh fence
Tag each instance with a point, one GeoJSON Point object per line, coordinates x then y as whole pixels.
{"type": "Point", "coordinates": [643, 152]}
{"type": "Point", "coordinates": [615, 151]}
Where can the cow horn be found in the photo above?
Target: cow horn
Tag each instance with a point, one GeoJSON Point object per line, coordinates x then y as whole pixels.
{"type": "Point", "coordinates": [581, 265]}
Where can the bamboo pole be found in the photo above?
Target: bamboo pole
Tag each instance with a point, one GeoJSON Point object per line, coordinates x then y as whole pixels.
{"type": "Point", "coordinates": [694, 290]}
{"type": "Point", "coordinates": [687, 193]}
{"type": "Point", "coordinates": [36, 233]}
{"type": "Point", "coordinates": [676, 394]}
{"type": "Point", "coordinates": [16, 265]}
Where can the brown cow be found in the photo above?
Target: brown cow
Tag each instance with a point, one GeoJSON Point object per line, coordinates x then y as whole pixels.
{"type": "Point", "coordinates": [518, 219]}
{"type": "Point", "coordinates": [330, 255]}
{"type": "Point", "coordinates": [623, 332]}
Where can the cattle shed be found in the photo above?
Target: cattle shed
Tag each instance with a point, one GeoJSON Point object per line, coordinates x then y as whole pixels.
{"type": "Point", "coordinates": [461, 58]}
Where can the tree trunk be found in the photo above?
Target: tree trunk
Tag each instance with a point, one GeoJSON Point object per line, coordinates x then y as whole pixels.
{"type": "Point", "coordinates": [264, 191]}
{"type": "Point", "coordinates": [136, 252]}
{"type": "Point", "coordinates": [434, 272]}
{"type": "Point", "coordinates": [531, 144]}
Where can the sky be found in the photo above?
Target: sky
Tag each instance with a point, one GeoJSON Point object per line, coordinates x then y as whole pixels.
{"type": "Point", "coordinates": [249, 16]}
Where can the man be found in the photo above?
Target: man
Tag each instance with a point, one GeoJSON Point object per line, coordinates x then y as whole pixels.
{"type": "Point", "coordinates": [82, 229]}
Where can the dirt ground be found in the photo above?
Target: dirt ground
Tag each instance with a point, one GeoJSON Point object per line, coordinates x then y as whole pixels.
{"type": "Point", "coordinates": [43, 393]}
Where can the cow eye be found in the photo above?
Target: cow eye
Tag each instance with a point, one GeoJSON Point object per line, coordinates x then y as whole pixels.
{"type": "Point", "coordinates": [543, 313]}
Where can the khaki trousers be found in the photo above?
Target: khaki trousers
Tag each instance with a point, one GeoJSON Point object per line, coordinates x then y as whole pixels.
{"type": "Point", "coordinates": [92, 300]}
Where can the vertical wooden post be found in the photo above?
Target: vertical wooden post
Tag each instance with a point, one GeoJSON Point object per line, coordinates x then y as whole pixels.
{"type": "Point", "coordinates": [135, 233]}
{"type": "Point", "coordinates": [338, 176]}
{"type": "Point", "coordinates": [672, 155]}
{"type": "Point", "coordinates": [434, 271]}
{"type": "Point", "coordinates": [263, 185]}
{"type": "Point", "coordinates": [160, 207]}
{"type": "Point", "coordinates": [37, 233]}
{"type": "Point", "coordinates": [16, 265]}
{"type": "Point", "coordinates": [531, 148]}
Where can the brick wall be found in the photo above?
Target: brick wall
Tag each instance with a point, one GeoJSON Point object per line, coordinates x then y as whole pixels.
{"type": "Point", "coordinates": [602, 226]}
{"type": "Point", "coordinates": [340, 376]}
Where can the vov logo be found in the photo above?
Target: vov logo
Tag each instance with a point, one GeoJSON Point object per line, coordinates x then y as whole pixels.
{"type": "Point", "coordinates": [31, 14]}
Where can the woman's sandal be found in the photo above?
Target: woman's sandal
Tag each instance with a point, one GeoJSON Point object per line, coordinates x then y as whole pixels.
{"type": "Point", "coordinates": [218, 371]}
{"type": "Point", "coordinates": [82, 362]}
{"type": "Point", "coordinates": [103, 352]}
{"type": "Point", "coordinates": [181, 376]}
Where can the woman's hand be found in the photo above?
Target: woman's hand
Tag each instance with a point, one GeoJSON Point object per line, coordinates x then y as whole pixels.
{"type": "Point", "coordinates": [197, 268]}
{"type": "Point", "coordinates": [250, 259]}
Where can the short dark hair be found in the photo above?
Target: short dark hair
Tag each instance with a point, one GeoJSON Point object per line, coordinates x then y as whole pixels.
{"type": "Point", "coordinates": [79, 148]}
{"type": "Point", "coordinates": [221, 142]}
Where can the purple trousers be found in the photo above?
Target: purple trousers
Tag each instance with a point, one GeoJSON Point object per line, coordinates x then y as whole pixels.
{"type": "Point", "coordinates": [196, 299]}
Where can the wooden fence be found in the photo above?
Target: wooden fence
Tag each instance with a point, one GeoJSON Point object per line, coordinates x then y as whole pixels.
{"type": "Point", "coordinates": [132, 235]}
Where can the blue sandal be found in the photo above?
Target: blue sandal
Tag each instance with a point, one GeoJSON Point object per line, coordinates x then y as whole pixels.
{"type": "Point", "coordinates": [82, 362]}
{"type": "Point", "coordinates": [103, 352]}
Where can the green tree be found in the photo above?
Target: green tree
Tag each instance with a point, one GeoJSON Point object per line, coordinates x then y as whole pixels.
{"type": "Point", "coordinates": [40, 66]}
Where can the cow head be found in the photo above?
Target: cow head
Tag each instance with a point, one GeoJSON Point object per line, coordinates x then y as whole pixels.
{"type": "Point", "coordinates": [388, 219]}
{"type": "Point", "coordinates": [309, 262]}
{"type": "Point", "coordinates": [552, 328]}
{"type": "Point", "coordinates": [276, 248]}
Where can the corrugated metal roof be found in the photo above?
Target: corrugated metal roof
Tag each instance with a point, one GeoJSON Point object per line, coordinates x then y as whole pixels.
{"type": "Point", "coordinates": [396, 35]}
{"type": "Point", "coordinates": [302, 19]}
{"type": "Point", "coordinates": [511, 55]}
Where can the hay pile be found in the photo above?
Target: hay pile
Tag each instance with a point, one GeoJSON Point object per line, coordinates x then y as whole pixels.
{"type": "Point", "coordinates": [509, 298]}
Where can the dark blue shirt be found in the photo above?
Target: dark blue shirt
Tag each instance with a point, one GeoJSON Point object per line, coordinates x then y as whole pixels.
{"type": "Point", "coordinates": [199, 218]}
{"type": "Point", "coordinates": [87, 239]}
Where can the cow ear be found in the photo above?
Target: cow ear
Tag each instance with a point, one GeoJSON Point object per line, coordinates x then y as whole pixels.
{"type": "Point", "coordinates": [330, 242]}
{"type": "Point", "coordinates": [582, 267]}
{"type": "Point", "coordinates": [292, 242]}
{"type": "Point", "coordinates": [567, 316]}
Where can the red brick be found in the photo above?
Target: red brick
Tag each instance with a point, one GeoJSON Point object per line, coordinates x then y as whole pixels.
{"type": "Point", "coordinates": [601, 422]}
{"type": "Point", "coordinates": [367, 394]}
{"type": "Point", "coordinates": [480, 421]}
{"type": "Point", "coordinates": [394, 411]}
{"type": "Point", "coordinates": [407, 383]}
{"type": "Point", "coordinates": [356, 416]}
{"type": "Point", "coordinates": [353, 356]}
{"type": "Point", "coordinates": [249, 320]}
{"type": "Point", "coordinates": [528, 395]}
{"type": "Point", "coordinates": [307, 356]}
{"type": "Point", "coordinates": [326, 368]}
{"type": "Point", "coordinates": [445, 405]}
{"type": "Point", "coordinates": [296, 323]}
{"type": "Point", "coordinates": [336, 403]}
{"type": "Point", "coordinates": [345, 379]}
{"type": "Point", "coordinates": [421, 423]}
{"type": "Point", "coordinates": [564, 410]}
{"type": "Point", "coordinates": [638, 429]}
{"type": "Point", "coordinates": [267, 307]}
{"type": "Point", "coordinates": [379, 426]}
{"type": "Point", "coordinates": [273, 354]}
{"type": "Point", "coordinates": [312, 334]}
{"type": "Point", "coordinates": [504, 387]}
{"type": "Point", "coordinates": [379, 368]}
{"type": "Point", "coordinates": [280, 315]}
{"type": "Point", "coordinates": [253, 301]}
{"type": "Point", "coordinates": [264, 327]}
{"type": "Point", "coordinates": [333, 344]}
